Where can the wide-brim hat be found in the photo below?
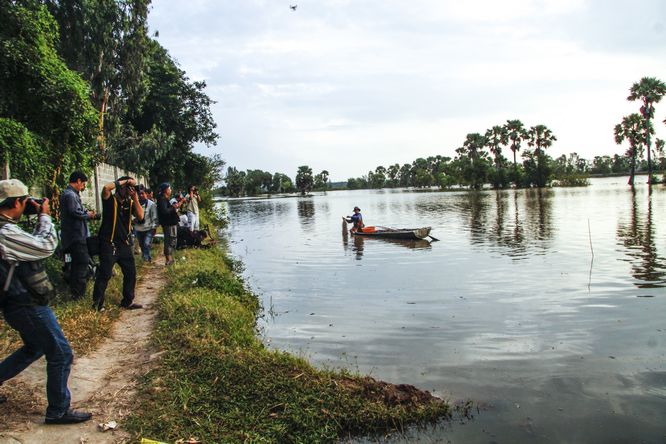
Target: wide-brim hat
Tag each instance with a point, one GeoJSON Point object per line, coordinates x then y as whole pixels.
{"type": "Point", "coordinates": [357, 208]}
{"type": "Point", "coordinates": [12, 188]}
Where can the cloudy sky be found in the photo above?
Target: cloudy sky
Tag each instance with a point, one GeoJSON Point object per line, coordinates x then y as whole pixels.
{"type": "Point", "coordinates": [346, 85]}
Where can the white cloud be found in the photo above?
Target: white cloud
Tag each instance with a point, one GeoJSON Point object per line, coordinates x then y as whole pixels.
{"type": "Point", "coordinates": [346, 86]}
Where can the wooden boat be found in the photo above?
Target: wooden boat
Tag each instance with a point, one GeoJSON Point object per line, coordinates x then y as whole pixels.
{"type": "Point", "coordinates": [395, 233]}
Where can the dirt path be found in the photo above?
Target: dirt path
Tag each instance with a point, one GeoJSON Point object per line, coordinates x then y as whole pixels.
{"type": "Point", "coordinates": [102, 382]}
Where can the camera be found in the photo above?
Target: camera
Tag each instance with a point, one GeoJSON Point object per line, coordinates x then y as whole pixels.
{"type": "Point", "coordinates": [30, 208]}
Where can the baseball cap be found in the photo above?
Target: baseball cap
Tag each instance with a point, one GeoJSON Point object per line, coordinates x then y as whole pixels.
{"type": "Point", "coordinates": [12, 188]}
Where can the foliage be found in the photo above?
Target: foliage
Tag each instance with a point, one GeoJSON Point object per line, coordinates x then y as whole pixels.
{"type": "Point", "coordinates": [21, 149]}
{"type": "Point", "coordinates": [631, 130]}
{"type": "Point", "coordinates": [321, 181]}
{"type": "Point", "coordinates": [516, 133]}
{"type": "Point", "coordinates": [649, 91]}
{"type": "Point", "coordinates": [496, 137]}
{"type": "Point", "coordinates": [304, 179]}
{"type": "Point", "coordinates": [175, 115]}
{"type": "Point", "coordinates": [39, 93]}
{"type": "Point", "coordinates": [537, 163]}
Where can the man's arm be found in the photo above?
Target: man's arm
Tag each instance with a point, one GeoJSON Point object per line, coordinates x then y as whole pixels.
{"type": "Point", "coordinates": [18, 245]}
{"type": "Point", "coordinates": [106, 190]}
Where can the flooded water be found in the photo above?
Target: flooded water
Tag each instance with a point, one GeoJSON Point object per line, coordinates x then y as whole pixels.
{"type": "Point", "coordinates": [547, 308]}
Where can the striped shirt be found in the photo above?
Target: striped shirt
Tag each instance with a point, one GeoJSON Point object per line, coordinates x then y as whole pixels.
{"type": "Point", "coordinates": [17, 245]}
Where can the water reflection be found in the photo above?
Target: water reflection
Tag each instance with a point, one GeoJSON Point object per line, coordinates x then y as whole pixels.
{"type": "Point", "coordinates": [306, 212]}
{"type": "Point", "coordinates": [638, 237]}
{"type": "Point", "coordinates": [357, 244]}
{"type": "Point", "coordinates": [515, 221]}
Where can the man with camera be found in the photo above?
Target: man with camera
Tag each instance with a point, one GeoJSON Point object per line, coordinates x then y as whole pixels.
{"type": "Point", "coordinates": [145, 230]}
{"type": "Point", "coordinates": [24, 297]}
{"type": "Point", "coordinates": [114, 240]}
{"type": "Point", "coordinates": [167, 213]}
{"type": "Point", "coordinates": [74, 232]}
{"type": "Point", "coordinates": [192, 207]}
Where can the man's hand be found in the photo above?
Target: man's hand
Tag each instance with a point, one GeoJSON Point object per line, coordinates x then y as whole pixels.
{"type": "Point", "coordinates": [91, 214]}
{"type": "Point", "coordinates": [46, 209]}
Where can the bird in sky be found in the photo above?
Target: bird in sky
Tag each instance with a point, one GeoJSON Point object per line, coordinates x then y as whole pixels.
{"type": "Point", "coordinates": [293, 7]}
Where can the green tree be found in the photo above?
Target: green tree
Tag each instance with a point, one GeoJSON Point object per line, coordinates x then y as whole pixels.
{"type": "Point", "coordinates": [174, 115]}
{"type": "Point", "coordinates": [377, 179]}
{"type": "Point", "coordinates": [540, 138]}
{"type": "Point", "coordinates": [649, 91]}
{"type": "Point", "coordinates": [602, 165]}
{"type": "Point", "coordinates": [321, 181]}
{"type": "Point", "coordinates": [496, 137]}
{"type": "Point", "coordinates": [44, 105]}
{"type": "Point", "coordinates": [631, 130]}
{"type": "Point", "coordinates": [474, 160]}
{"type": "Point", "coordinates": [516, 133]}
{"type": "Point", "coordinates": [107, 42]}
{"type": "Point", "coordinates": [257, 182]}
{"type": "Point", "coordinates": [282, 184]}
{"type": "Point", "coordinates": [420, 175]}
{"type": "Point", "coordinates": [393, 174]}
{"type": "Point", "coordinates": [235, 181]}
{"type": "Point", "coordinates": [304, 179]}
{"type": "Point", "coordinates": [405, 176]}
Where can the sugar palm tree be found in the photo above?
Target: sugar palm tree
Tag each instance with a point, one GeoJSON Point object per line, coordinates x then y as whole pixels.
{"type": "Point", "coordinates": [649, 91]}
{"type": "Point", "coordinates": [516, 133]}
{"type": "Point", "coordinates": [540, 137]}
{"type": "Point", "coordinates": [496, 137]}
{"type": "Point", "coordinates": [631, 129]}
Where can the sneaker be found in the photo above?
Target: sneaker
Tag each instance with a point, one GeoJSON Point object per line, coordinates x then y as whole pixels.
{"type": "Point", "coordinates": [132, 306]}
{"type": "Point", "coordinates": [70, 417]}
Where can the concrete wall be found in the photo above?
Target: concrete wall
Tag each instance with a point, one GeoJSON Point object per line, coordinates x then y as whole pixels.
{"type": "Point", "coordinates": [105, 173]}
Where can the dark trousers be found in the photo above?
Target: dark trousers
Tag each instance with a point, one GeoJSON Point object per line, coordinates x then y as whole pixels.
{"type": "Point", "coordinates": [42, 336]}
{"type": "Point", "coordinates": [123, 256]}
{"type": "Point", "coordinates": [79, 269]}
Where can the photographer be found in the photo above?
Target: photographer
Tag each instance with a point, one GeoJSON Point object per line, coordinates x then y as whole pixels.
{"type": "Point", "coordinates": [24, 299]}
{"type": "Point", "coordinates": [145, 230]}
{"type": "Point", "coordinates": [168, 217]}
{"type": "Point", "coordinates": [192, 207]}
{"type": "Point", "coordinates": [74, 232]}
{"type": "Point", "coordinates": [114, 240]}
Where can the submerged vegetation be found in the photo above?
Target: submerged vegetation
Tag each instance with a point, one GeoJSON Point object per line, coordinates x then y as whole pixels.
{"type": "Point", "coordinates": [218, 382]}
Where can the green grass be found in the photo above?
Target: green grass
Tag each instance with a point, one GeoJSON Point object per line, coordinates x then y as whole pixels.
{"type": "Point", "coordinates": [219, 383]}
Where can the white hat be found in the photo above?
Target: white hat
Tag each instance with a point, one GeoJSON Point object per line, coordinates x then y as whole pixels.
{"type": "Point", "coordinates": [12, 188]}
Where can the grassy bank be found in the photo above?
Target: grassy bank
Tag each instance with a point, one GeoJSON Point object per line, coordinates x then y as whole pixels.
{"type": "Point", "coordinates": [219, 383]}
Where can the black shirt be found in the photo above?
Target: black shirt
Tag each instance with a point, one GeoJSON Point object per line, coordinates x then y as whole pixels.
{"type": "Point", "coordinates": [166, 213]}
{"type": "Point", "coordinates": [123, 217]}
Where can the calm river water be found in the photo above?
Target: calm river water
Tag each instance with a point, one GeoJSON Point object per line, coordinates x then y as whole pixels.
{"type": "Point", "coordinates": [546, 308]}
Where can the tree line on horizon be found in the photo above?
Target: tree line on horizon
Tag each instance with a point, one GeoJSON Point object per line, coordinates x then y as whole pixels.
{"type": "Point", "coordinates": [481, 160]}
{"type": "Point", "coordinates": [82, 82]}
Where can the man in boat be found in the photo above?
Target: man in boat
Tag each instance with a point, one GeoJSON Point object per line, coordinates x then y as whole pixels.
{"type": "Point", "coordinates": [356, 219]}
